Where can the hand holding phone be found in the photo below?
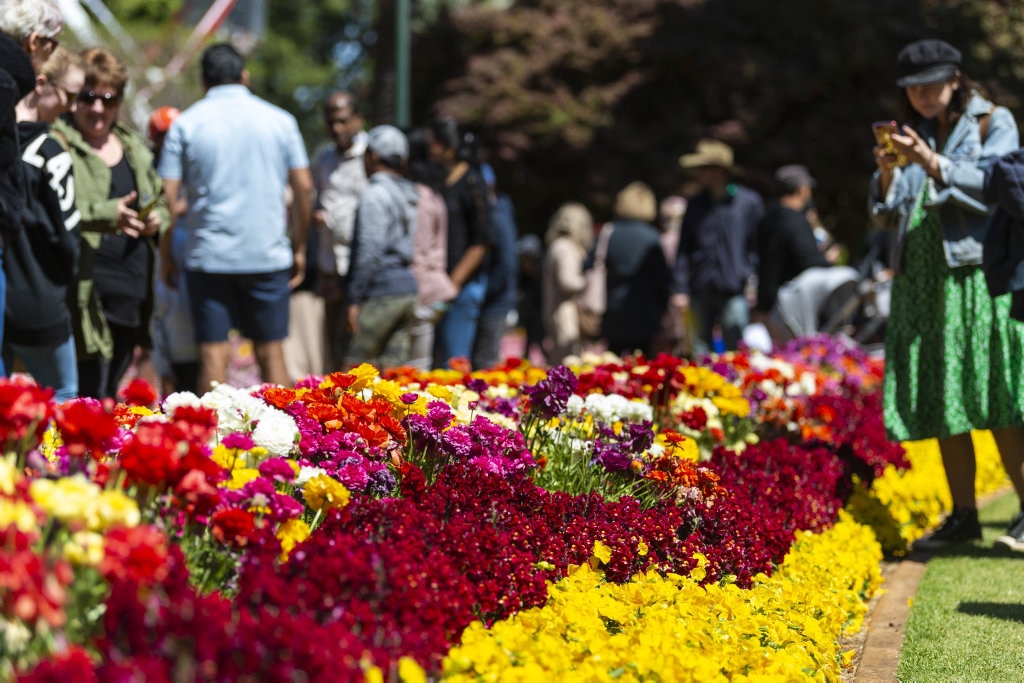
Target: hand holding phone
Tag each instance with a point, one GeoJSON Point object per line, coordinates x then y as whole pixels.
{"type": "Point", "coordinates": [883, 135]}
{"type": "Point", "coordinates": [147, 206]}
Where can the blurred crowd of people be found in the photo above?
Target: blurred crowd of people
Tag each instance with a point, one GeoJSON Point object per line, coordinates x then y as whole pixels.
{"type": "Point", "coordinates": [389, 246]}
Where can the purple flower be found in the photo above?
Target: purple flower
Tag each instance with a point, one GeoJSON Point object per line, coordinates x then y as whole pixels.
{"type": "Point", "coordinates": [381, 480]}
{"type": "Point", "coordinates": [409, 398]}
{"type": "Point", "coordinates": [478, 385]}
{"type": "Point", "coordinates": [277, 469]}
{"type": "Point", "coordinates": [550, 397]}
{"type": "Point", "coordinates": [239, 441]}
{"type": "Point", "coordinates": [439, 414]}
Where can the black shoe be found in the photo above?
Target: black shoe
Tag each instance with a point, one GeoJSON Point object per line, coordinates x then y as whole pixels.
{"type": "Point", "coordinates": [1013, 539]}
{"type": "Point", "coordinates": [961, 526]}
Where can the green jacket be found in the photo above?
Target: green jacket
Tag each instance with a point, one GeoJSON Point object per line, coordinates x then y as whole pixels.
{"type": "Point", "coordinates": [99, 216]}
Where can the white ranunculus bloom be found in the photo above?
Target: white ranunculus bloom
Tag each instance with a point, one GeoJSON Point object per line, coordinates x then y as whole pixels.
{"type": "Point", "coordinates": [307, 473]}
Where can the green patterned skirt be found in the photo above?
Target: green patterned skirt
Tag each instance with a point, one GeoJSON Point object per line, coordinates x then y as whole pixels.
{"type": "Point", "coordinates": [954, 359]}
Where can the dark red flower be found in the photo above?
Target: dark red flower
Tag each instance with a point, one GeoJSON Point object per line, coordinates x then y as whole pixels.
{"type": "Point", "coordinates": [233, 526]}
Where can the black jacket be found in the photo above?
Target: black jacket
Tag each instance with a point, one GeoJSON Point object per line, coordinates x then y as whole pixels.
{"type": "Point", "coordinates": [786, 248]}
{"type": "Point", "coordinates": [1003, 249]}
{"type": "Point", "coordinates": [17, 78]}
{"type": "Point", "coordinates": [40, 260]}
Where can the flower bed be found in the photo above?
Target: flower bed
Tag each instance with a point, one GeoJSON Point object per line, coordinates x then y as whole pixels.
{"type": "Point", "coordinates": [624, 517]}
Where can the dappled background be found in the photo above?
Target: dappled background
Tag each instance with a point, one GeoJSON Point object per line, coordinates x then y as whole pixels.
{"type": "Point", "coordinates": [572, 99]}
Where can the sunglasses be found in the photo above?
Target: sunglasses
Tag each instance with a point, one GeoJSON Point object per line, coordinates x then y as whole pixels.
{"type": "Point", "coordinates": [72, 97]}
{"type": "Point", "coordinates": [109, 99]}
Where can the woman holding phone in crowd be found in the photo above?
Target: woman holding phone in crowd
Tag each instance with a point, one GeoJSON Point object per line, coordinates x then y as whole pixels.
{"type": "Point", "coordinates": [123, 209]}
{"type": "Point", "coordinates": [954, 358]}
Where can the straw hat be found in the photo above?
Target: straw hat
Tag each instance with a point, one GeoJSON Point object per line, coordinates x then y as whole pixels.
{"type": "Point", "coordinates": [709, 153]}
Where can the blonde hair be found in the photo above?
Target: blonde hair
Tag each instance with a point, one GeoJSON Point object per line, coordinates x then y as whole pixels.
{"type": "Point", "coordinates": [636, 201]}
{"type": "Point", "coordinates": [58, 64]}
{"type": "Point", "coordinates": [102, 67]}
{"type": "Point", "coordinates": [575, 222]}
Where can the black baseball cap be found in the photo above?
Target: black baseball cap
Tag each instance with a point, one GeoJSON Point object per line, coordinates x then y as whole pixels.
{"type": "Point", "coordinates": [927, 61]}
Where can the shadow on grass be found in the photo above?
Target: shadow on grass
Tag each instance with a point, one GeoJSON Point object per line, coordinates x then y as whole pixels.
{"type": "Point", "coordinates": [996, 610]}
{"type": "Point", "coordinates": [978, 550]}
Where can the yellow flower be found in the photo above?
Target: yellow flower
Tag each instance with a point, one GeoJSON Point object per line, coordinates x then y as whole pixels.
{"type": "Point", "coordinates": [291, 533]}
{"type": "Point", "coordinates": [84, 548]}
{"type": "Point", "coordinates": [390, 391]}
{"type": "Point", "coordinates": [409, 671]}
{"type": "Point", "coordinates": [324, 492]}
{"type": "Point", "coordinates": [440, 392]}
{"type": "Point", "coordinates": [19, 515]}
{"type": "Point", "coordinates": [602, 552]}
{"type": "Point", "coordinates": [240, 477]}
{"type": "Point", "coordinates": [365, 374]}
{"type": "Point", "coordinates": [642, 549]}
{"type": "Point", "coordinates": [9, 475]}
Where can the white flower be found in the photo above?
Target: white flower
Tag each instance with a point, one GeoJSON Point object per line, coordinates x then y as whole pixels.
{"type": "Point", "coordinates": [180, 398]}
{"type": "Point", "coordinates": [276, 431]}
{"type": "Point", "coordinates": [239, 411]}
{"type": "Point", "coordinates": [307, 473]}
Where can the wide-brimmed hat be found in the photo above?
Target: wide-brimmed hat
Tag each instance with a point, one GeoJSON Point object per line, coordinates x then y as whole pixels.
{"type": "Point", "coordinates": [709, 153]}
{"type": "Point", "coordinates": [927, 61]}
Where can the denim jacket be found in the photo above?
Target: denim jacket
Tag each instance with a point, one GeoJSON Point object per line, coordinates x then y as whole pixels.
{"type": "Point", "coordinates": [958, 197]}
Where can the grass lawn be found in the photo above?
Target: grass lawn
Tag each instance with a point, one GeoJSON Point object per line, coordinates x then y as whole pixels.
{"type": "Point", "coordinates": [967, 619]}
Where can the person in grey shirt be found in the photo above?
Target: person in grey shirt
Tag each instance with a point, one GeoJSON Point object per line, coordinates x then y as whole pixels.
{"type": "Point", "coordinates": [338, 177]}
{"type": "Point", "coordinates": [381, 287]}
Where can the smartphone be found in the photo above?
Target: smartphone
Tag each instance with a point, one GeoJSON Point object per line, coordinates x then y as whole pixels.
{"type": "Point", "coordinates": [883, 135]}
{"type": "Point", "coordinates": [147, 206]}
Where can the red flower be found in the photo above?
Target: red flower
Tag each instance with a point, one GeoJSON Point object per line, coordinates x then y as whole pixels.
{"type": "Point", "coordinates": [195, 495]}
{"type": "Point", "coordinates": [25, 411]}
{"type": "Point", "coordinates": [233, 526]}
{"type": "Point", "coordinates": [138, 554]}
{"type": "Point", "coordinates": [139, 392]}
{"type": "Point", "coordinates": [72, 665]}
{"type": "Point", "coordinates": [198, 423]}
{"type": "Point", "coordinates": [696, 418]}
{"type": "Point", "coordinates": [86, 426]}
{"type": "Point", "coordinates": [151, 454]}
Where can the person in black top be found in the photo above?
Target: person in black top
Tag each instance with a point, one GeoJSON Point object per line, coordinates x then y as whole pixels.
{"type": "Point", "coordinates": [42, 258]}
{"type": "Point", "coordinates": [785, 239]}
{"type": "Point", "coordinates": [469, 239]}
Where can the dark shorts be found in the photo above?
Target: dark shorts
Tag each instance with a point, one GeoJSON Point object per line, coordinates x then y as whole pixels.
{"type": "Point", "coordinates": [255, 304]}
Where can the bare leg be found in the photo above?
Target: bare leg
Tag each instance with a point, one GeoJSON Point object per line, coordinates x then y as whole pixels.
{"type": "Point", "coordinates": [270, 357]}
{"type": "Point", "coordinates": [1011, 450]}
{"type": "Point", "coordinates": [961, 468]}
{"type": "Point", "coordinates": [213, 364]}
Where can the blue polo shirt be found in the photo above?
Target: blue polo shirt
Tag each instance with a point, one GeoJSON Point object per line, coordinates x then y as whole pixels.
{"type": "Point", "coordinates": [232, 152]}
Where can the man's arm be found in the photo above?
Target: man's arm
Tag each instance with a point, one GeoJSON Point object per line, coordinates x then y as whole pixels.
{"type": "Point", "coordinates": [301, 182]}
{"type": "Point", "coordinates": [168, 267]}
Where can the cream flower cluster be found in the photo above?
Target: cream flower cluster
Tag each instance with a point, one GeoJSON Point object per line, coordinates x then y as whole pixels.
{"type": "Point", "coordinates": [238, 411]}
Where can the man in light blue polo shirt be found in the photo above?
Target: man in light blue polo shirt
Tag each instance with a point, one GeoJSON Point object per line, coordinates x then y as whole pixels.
{"type": "Point", "coordinates": [234, 155]}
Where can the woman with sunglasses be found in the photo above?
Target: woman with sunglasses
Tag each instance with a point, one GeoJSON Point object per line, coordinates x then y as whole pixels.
{"type": "Point", "coordinates": [41, 258]}
{"type": "Point", "coordinates": [123, 210]}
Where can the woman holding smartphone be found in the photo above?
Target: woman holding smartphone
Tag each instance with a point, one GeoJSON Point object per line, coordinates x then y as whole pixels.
{"type": "Point", "coordinates": [954, 358]}
{"type": "Point", "coordinates": [123, 209]}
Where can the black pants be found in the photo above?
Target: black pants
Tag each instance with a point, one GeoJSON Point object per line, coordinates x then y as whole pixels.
{"type": "Point", "coordinates": [100, 377]}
